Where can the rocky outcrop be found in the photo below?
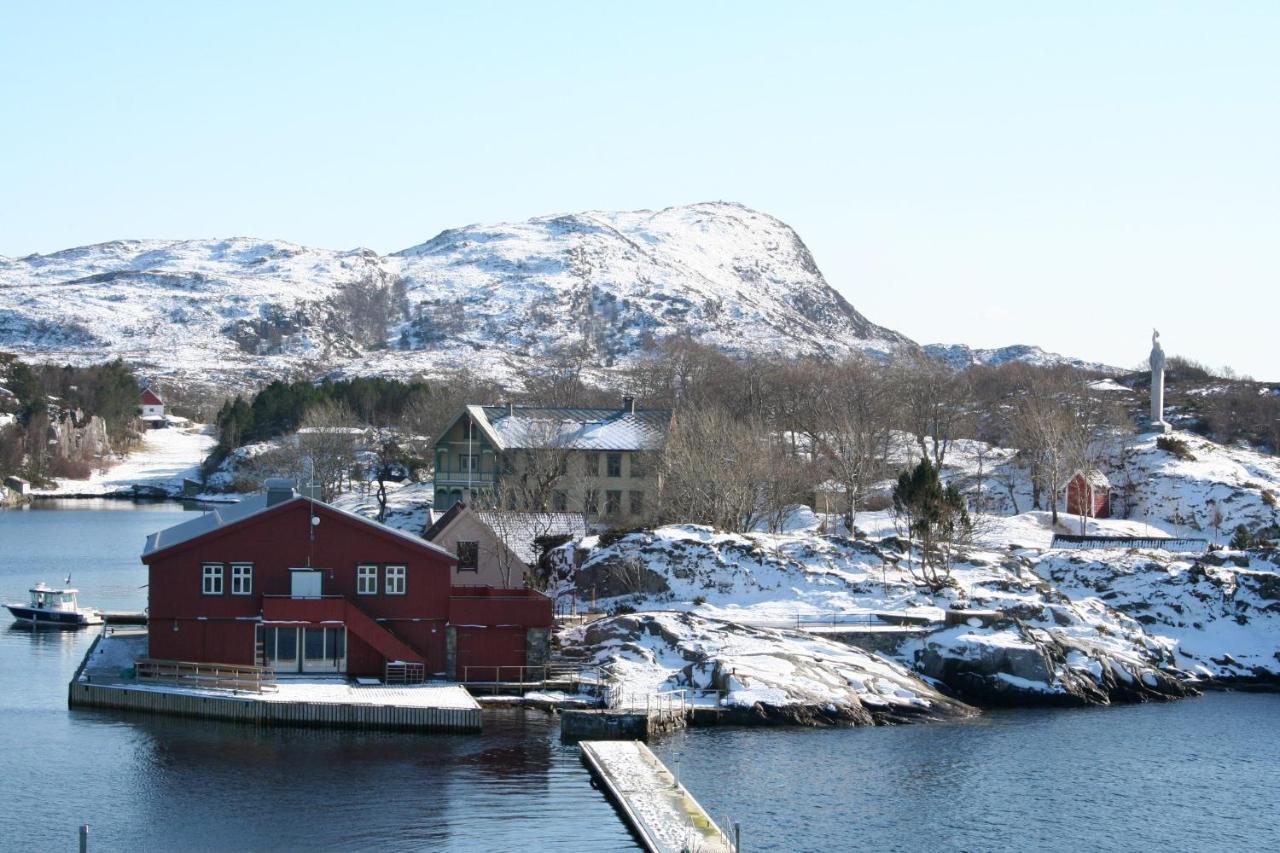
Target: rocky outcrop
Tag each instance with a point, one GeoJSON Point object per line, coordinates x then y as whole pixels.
{"type": "Point", "coordinates": [766, 677]}
{"type": "Point", "coordinates": [1090, 637]}
{"type": "Point", "coordinates": [1218, 614]}
{"type": "Point", "coordinates": [1014, 663]}
{"type": "Point", "coordinates": [75, 435]}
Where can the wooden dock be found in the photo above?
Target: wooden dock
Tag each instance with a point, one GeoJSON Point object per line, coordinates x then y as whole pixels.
{"type": "Point", "coordinates": [661, 813]}
{"type": "Point", "coordinates": [107, 678]}
{"type": "Point", "coordinates": [245, 708]}
{"type": "Point", "coordinates": [124, 617]}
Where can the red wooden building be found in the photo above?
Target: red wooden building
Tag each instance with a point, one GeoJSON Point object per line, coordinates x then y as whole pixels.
{"type": "Point", "coordinates": [1089, 494]}
{"type": "Point", "coordinates": [285, 581]}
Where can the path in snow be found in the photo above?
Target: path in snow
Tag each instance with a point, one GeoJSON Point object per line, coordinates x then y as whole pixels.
{"type": "Point", "coordinates": [163, 459]}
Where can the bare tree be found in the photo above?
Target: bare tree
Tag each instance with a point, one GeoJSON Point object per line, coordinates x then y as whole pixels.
{"type": "Point", "coordinates": [387, 450]}
{"type": "Point", "coordinates": [1061, 428]}
{"type": "Point", "coordinates": [531, 476]}
{"type": "Point", "coordinates": [713, 466]}
{"type": "Point", "coordinates": [509, 528]}
{"type": "Point", "coordinates": [935, 404]}
{"type": "Point", "coordinates": [426, 417]}
{"type": "Point", "coordinates": [852, 441]}
{"type": "Point", "coordinates": [327, 446]}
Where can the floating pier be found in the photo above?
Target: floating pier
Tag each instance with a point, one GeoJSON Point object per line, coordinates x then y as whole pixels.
{"type": "Point", "coordinates": [107, 678]}
{"type": "Point", "coordinates": [661, 813]}
{"type": "Point", "coordinates": [124, 617]}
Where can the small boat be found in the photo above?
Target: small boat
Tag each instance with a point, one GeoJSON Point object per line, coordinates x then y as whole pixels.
{"type": "Point", "coordinates": [51, 606]}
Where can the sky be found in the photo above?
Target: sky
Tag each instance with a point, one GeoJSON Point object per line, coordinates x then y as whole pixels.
{"type": "Point", "coordinates": [1068, 175]}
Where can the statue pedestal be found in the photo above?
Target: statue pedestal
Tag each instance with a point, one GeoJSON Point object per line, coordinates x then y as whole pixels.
{"type": "Point", "coordinates": [1160, 427]}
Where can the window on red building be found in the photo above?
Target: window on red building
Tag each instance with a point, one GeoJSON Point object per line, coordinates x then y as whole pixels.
{"type": "Point", "coordinates": [367, 579]}
{"type": "Point", "coordinates": [242, 578]}
{"type": "Point", "coordinates": [212, 579]}
{"type": "Point", "coordinates": [395, 580]}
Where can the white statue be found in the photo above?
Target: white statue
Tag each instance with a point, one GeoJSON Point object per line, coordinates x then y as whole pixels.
{"type": "Point", "coordinates": [1157, 384]}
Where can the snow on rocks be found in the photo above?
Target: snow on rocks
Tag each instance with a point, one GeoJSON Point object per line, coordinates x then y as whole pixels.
{"type": "Point", "coordinates": [1220, 611]}
{"type": "Point", "coordinates": [408, 505]}
{"type": "Point", "coordinates": [1035, 646]}
{"type": "Point", "coordinates": [766, 676]}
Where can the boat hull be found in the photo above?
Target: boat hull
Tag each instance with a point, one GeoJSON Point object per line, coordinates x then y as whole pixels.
{"type": "Point", "coordinates": [72, 619]}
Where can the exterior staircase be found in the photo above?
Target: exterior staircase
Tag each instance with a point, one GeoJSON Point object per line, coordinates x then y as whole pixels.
{"type": "Point", "coordinates": [381, 639]}
{"type": "Point", "coordinates": [336, 608]}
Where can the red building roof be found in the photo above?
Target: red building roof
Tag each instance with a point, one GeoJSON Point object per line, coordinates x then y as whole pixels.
{"type": "Point", "coordinates": [150, 398]}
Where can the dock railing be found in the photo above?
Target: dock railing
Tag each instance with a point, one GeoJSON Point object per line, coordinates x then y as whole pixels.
{"type": "Point", "coordinates": [510, 676]}
{"type": "Point", "coordinates": [219, 676]}
{"type": "Point", "coordinates": [661, 702]}
{"type": "Point", "coordinates": [668, 703]}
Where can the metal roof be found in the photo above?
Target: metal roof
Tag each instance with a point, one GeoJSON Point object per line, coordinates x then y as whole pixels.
{"type": "Point", "coordinates": [538, 428]}
{"type": "Point", "coordinates": [228, 514]}
{"type": "Point", "coordinates": [517, 530]}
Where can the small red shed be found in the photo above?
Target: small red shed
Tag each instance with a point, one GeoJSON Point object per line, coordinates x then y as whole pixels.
{"type": "Point", "coordinates": [284, 581]}
{"type": "Point", "coordinates": [1089, 494]}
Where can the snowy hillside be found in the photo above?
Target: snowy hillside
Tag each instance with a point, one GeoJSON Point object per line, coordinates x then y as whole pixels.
{"type": "Point", "coordinates": [959, 356]}
{"type": "Point", "coordinates": [1165, 492]}
{"type": "Point", "coordinates": [489, 296]}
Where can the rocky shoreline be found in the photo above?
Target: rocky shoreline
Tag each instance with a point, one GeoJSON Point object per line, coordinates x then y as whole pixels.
{"type": "Point", "coordinates": [1061, 628]}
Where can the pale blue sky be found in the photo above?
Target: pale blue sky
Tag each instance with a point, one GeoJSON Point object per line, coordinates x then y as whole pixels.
{"type": "Point", "coordinates": [986, 173]}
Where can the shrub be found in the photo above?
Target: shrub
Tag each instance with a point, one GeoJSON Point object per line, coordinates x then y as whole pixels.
{"type": "Point", "coordinates": [622, 609]}
{"type": "Point", "coordinates": [1176, 446]}
{"type": "Point", "coordinates": [70, 469]}
{"type": "Point", "coordinates": [700, 600]}
{"type": "Point", "coordinates": [1241, 540]}
{"type": "Point", "coordinates": [1269, 498]}
{"type": "Point", "coordinates": [609, 537]}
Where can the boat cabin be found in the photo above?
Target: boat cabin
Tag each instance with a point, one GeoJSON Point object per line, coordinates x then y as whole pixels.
{"type": "Point", "coordinates": [46, 598]}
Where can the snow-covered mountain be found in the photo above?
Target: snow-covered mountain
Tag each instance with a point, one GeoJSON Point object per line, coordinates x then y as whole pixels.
{"type": "Point", "coordinates": [959, 357]}
{"type": "Point", "coordinates": [492, 297]}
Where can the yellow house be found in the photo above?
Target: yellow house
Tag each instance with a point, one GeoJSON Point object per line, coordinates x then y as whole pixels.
{"type": "Point", "coordinates": [602, 463]}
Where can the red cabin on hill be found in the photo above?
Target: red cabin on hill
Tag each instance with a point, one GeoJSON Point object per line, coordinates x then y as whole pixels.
{"type": "Point", "coordinates": [280, 580]}
{"type": "Point", "coordinates": [1089, 495]}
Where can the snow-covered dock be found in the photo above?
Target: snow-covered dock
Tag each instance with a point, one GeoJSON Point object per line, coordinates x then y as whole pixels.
{"type": "Point", "coordinates": [105, 680]}
{"type": "Point", "coordinates": [663, 815]}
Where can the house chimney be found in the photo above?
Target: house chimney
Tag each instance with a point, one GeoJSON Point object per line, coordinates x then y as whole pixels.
{"type": "Point", "coordinates": [629, 405]}
{"type": "Point", "coordinates": [279, 490]}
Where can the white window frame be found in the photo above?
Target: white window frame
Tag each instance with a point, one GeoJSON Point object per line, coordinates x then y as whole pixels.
{"type": "Point", "coordinates": [396, 578]}
{"type": "Point", "coordinates": [242, 578]}
{"type": "Point", "coordinates": [212, 572]}
{"type": "Point", "coordinates": [366, 572]}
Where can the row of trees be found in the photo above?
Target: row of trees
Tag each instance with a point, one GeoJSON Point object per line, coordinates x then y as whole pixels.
{"type": "Point", "coordinates": [751, 435]}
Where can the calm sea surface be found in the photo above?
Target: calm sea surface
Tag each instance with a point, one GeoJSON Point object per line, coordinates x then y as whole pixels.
{"type": "Point", "coordinates": [1196, 775]}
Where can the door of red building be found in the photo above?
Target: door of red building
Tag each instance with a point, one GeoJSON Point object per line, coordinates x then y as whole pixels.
{"type": "Point", "coordinates": [291, 649]}
{"type": "Point", "coordinates": [490, 654]}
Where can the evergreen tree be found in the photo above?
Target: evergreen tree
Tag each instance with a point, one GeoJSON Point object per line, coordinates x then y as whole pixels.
{"type": "Point", "coordinates": [933, 515]}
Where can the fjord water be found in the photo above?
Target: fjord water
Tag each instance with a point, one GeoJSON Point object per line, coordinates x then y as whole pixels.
{"type": "Point", "coordinates": [1202, 774]}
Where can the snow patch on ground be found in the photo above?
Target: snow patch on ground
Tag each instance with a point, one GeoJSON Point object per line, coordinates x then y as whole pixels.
{"type": "Point", "coordinates": [161, 461]}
